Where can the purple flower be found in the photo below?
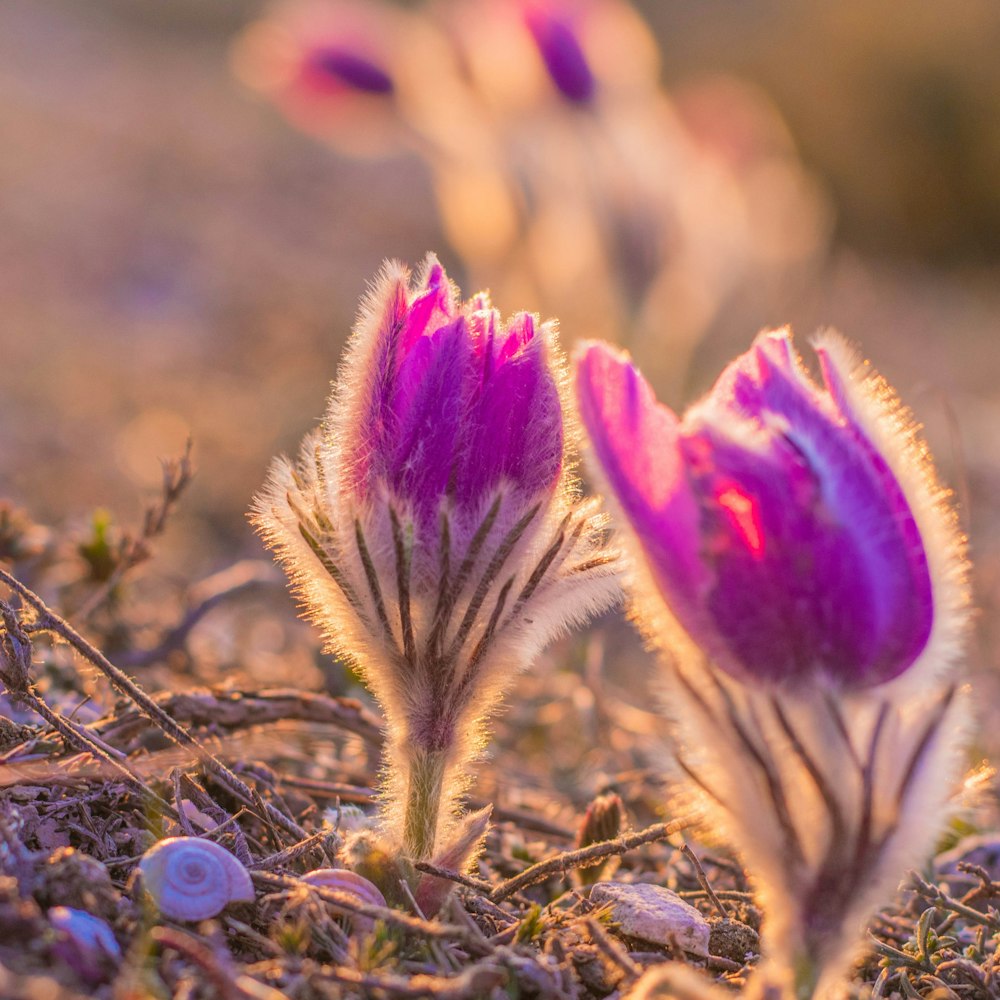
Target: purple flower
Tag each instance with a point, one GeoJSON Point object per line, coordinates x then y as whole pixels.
{"type": "Point", "coordinates": [561, 52]}
{"type": "Point", "coordinates": [796, 535]}
{"type": "Point", "coordinates": [462, 405]}
{"type": "Point", "coordinates": [339, 69]}
{"type": "Point", "coordinates": [433, 529]}
{"type": "Point", "coordinates": [773, 526]}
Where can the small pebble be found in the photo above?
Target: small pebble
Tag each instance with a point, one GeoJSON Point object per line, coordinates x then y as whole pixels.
{"type": "Point", "coordinates": [733, 940]}
{"type": "Point", "coordinates": [652, 913]}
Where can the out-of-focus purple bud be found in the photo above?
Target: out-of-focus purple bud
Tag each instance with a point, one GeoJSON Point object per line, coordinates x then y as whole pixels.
{"type": "Point", "coordinates": [347, 71]}
{"type": "Point", "coordinates": [560, 49]}
{"type": "Point", "coordinates": [433, 528]}
{"type": "Point", "coordinates": [775, 525]}
{"type": "Point", "coordinates": [352, 69]}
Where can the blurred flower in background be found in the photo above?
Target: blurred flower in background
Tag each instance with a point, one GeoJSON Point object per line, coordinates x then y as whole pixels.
{"type": "Point", "coordinates": [566, 177]}
{"type": "Point", "coordinates": [360, 76]}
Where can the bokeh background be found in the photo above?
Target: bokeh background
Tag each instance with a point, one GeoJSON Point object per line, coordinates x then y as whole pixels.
{"type": "Point", "coordinates": [187, 222]}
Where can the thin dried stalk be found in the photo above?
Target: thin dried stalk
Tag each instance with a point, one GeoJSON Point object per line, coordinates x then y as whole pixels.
{"type": "Point", "coordinates": [49, 621]}
{"type": "Point", "coordinates": [591, 855]}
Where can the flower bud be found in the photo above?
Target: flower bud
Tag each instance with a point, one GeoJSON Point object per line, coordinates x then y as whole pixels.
{"type": "Point", "coordinates": [432, 526]}
{"type": "Point", "coordinates": [603, 820]}
{"type": "Point", "coordinates": [795, 555]}
{"type": "Point", "coordinates": [339, 70]}
{"type": "Point", "coordinates": [793, 530]}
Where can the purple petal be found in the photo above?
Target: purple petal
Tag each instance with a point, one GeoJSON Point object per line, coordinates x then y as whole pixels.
{"type": "Point", "coordinates": [808, 558]}
{"type": "Point", "coordinates": [562, 54]}
{"type": "Point", "coordinates": [515, 428]}
{"type": "Point", "coordinates": [907, 612]}
{"type": "Point", "coordinates": [433, 386]}
{"type": "Point", "coordinates": [375, 424]}
{"type": "Point", "coordinates": [860, 502]}
{"type": "Point", "coordinates": [789, 593]}
{"type": "Point", "coordinates": [635, 442]}
{"type": "Point", "coordinates": [863, 497]}
{"type": "Point", "coordinates": [350, 68]}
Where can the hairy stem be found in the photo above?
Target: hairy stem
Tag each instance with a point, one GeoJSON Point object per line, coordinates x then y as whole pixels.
{"type": "Point", "coordinates": [423, 803]}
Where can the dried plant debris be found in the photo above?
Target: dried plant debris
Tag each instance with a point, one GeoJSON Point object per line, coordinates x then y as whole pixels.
{"type": "Point", "coordinates": [100, 781]}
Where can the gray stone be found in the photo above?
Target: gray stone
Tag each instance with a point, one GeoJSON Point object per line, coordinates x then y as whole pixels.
{"type": "Point", "coordinates": [652, 913]}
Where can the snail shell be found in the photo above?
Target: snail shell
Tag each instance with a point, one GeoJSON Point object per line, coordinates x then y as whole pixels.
{"type": "Point", "coordinates": [351, 884]}
{"type": "Point", "coordinates": [85, 943]}
{"type": "Point", "coordinates": [193, 879]}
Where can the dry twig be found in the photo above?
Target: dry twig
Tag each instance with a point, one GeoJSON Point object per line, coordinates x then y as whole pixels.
{"type": "Point", "coordinates": [591, 855]}
{"type": "Point", "coordinates": [49, 621]}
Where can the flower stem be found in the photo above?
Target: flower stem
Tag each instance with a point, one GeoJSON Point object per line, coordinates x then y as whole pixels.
{"type": "Point", "coordinates": [423, 803]}
{"type": "Point", "coordinates": [807, 971]}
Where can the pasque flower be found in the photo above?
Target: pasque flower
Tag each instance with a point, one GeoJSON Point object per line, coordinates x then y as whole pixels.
{"type": "Point", "coordinates": [433, 529]}
{"type": "Point", "coordinates": [804, 572]}
{"type": "Point", "coordinates": [359, 74]}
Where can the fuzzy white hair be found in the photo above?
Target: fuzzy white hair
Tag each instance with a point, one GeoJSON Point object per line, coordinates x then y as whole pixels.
{"type": "Point", "coordinates": [434, 643]}
{"type": "Point", "coordinates": [829, 795]}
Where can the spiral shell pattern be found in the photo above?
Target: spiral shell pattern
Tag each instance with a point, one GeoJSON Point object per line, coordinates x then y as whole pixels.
{"type": "Point", "coordinates": [192, 879]}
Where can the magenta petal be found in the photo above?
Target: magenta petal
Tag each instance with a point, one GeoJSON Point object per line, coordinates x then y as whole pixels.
{"type": "Point", "coordinates": [457, 406]}
{"type": "Point", "coordinates": [515, 432]}
{"type": "Point", "coordinates": [767, 379]}
{"type": "Point", "coordinates": [375, 423]}
{"type": "Point", "coordinates": [484, 325]}
{"type": "Point", "coordinates": [793, 551]}
{"type": "Point", "coordinates": [897, 557]}
{"type": "Point", "coordinates": [789, 593]}
{"type": "Point", "coordinates": [520, 332]}
{"type": "Point", "coordinates": [433, 386]}
{"type": "Point", "coordinates": [352, 69]}
{"type": "Point", "coordinates": [562, 54]}
{"type": "Point", "coordinates": [431, 308]}
{"type": "Point", "coordinates": [635, 443]}
{"type": "Point", "coordinates": [860, 501]}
